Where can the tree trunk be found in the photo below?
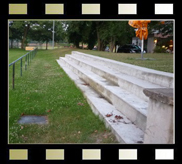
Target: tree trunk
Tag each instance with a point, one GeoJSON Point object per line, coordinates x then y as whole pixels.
{"type": "Point", "coordinates": [25, 36]}
{"type": "Point", "coordinates": [46, 45]}
{"type": "Point", "coordinates": [11, 43]}
{"type": "Point", "coordinates": [98, 40]}
{"type": "Point", "coordinates": [112, 44]}
{"type": "Point", "coordinates": [76, 44]}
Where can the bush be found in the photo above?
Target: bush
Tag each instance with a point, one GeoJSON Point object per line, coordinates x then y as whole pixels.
{"type": "Point", "coordinates": [159, 49]}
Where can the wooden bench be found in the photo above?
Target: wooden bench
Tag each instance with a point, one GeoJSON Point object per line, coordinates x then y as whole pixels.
{"type": "Point", "coordinates": [29, 48]}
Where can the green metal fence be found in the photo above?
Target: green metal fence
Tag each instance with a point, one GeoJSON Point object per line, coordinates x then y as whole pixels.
{"type": "Point", "coordinates": [28, 57]}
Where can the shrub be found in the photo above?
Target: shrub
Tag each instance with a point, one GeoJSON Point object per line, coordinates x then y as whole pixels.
{"type": "Point", "coordinates": [159, 49]}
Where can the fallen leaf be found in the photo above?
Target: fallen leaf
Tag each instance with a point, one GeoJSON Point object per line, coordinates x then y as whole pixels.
{"type": "Point", "coordinates": [22, 114]}
{"type": "Point", "coordinates": [49, 110]}
{"type": "Point", "coordinates": [118, 117]}
{"type": "Point", "coordinates": [81, 104]}
{"type": "Point", "coordinates": [85, 84]}
{"type": "Point", "coordinates": [109, 115]}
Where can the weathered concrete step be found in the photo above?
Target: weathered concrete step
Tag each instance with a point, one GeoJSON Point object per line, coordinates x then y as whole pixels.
{"type": "Point", "coordinates": [123, 129]}
{"type": "Point", "coordinates": [130, 83]}
{"type": "Point", "coordinates": [130, 105]}
{"type": "Point", "coordinates": [164, 79]}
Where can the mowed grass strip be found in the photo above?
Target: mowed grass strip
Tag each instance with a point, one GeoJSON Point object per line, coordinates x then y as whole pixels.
{"type": "Point", "coordinates": [161, 62]}
{"type": "Point", "coordinates": [45, 89]}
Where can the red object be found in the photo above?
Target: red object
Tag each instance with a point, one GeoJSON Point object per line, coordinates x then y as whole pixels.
{"type": "Point", "coordinates": [109, 115]}
{"type": "Point", "coordinates": [118, 117]}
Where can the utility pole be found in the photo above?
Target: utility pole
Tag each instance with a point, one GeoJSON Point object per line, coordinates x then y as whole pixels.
{"type": "Point", "coordinates": [53, 35]}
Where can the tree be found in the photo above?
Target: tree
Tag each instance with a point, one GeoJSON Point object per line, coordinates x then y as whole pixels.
{"type": "Point", "coordinates": [14, 33]}
{"type": "Point", "coordinates": [81, 31]}
{"type": "Point", "coordinates": [112, 33]}
{"type": "Point", "coordinates": [102, 32]}
{"type": "Point", "coordinates": [164, 28]}
{"type": "Point", "coordinates": [22, 28]}
{"type": "Point", "coordinates": [42, 32]}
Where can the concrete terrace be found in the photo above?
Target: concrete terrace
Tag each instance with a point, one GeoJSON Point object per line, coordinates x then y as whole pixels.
{"type": "Point", "coordinates": [116, 89]}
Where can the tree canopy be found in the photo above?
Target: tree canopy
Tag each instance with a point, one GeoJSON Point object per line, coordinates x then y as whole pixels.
{"type": "Point", "coordinates": [100, 33]}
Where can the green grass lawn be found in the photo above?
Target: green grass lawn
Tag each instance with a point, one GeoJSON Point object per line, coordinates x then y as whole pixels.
{"type": "Point", "coordinates": [45, 87]}
{"type": "Point", "coordinates": [15, 54]}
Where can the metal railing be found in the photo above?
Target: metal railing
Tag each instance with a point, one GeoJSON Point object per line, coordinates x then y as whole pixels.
{"type": "Point", "coordinates": [28, 57]}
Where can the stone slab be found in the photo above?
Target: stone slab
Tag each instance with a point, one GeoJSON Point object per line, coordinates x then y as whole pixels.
{"type": "Point", "coordinates": [31, 119]}
{"type": "Point", "coordinates": [164, 95]}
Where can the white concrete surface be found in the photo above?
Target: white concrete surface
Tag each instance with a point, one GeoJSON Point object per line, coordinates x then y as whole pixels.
{"type": "Point", "coordinates": [129, 104]}
{"type": "Point", "coordinates": [130, 83]}
{"type": "Point", "coordinates": [164, 79]}
{"type": "Point", "coordinates": [159, 128]}
{"type": "Point", "coordinates": [124, 130]}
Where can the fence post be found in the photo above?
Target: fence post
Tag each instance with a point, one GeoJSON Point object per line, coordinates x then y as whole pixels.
{"type": "Point", "coordinates": [26, 63]}
{"type": "Point", "coordinates": [21, 67]}
{"type": "Point", "coordinates": [13, 74]}
{"type": "Point", "coordinates": [30, 56]}
{"type": "Point", "coordinates": [28, 59]}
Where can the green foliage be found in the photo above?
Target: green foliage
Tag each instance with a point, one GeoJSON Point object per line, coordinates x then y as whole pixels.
{"type": "Point", "coordinates": [81, 31]}
{"type": "Point", "coordinates": [164, 29]}
{"type": "Point", "coordinates": [104, 32]}
{"type": "Point", "coordinates": [40, 31]}
{"type": "Point", "coordinates": [159, 49]}
{"type": "Point", "coordinates": [19, 30]}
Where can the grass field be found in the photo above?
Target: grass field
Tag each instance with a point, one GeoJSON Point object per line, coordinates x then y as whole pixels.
{"type": "Point", "coordinates": [15, 54]}
{"type": "Point", "coordinates": [45, 89]}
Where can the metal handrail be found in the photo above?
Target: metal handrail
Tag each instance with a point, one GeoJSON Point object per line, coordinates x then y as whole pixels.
{"type": "Point", "coordinates": [31, 56]}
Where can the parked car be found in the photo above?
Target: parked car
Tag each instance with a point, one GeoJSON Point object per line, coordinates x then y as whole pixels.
{"type": "Point", "coordinates": [144, 51]}
{"type": "Point", "coordinates": [129, 48]}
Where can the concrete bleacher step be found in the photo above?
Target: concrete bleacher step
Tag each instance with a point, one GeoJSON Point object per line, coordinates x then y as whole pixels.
{"type": "Point", "coordinates": [130, 83]}
{"type": "Point", "coordinates": [163, 79]}
{"type": "Point", "coordinates": [124, 130]}
{"type": "Point", "coordinates": [134, 108]}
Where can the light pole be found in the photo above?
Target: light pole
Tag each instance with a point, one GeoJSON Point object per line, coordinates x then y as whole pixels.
{"type": "Point", "coordinates": [53, 35]}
